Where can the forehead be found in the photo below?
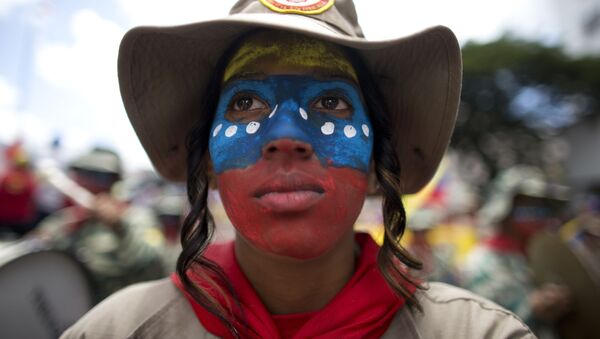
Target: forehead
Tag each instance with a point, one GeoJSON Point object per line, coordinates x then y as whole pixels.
{"type": "Point", "coordinates": [274, 52]}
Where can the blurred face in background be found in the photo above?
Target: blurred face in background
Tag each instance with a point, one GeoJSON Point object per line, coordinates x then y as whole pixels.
{"type": "Point", "coordinates": [95, 181]}
{"type": "Point", "coordinates": [291, 144]}
{"type": "Point", "coordinates": [531, 215]}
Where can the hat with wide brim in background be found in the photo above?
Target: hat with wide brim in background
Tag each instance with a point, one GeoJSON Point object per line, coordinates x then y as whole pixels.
{"type": "Point", "coordinates": [164, 73]}
{"type": "Point", "coordinates": [98, 160]}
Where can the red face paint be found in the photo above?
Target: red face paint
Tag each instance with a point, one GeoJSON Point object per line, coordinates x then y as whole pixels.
{"type": "Point", "coordinates": [293, 207]}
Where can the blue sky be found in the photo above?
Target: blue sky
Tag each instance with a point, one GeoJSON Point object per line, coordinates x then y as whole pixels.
{"type": "Point", "coordinates": [58, 61]}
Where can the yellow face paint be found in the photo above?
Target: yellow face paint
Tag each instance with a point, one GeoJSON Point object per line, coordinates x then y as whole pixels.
{"type": "Point", "coordinates": [284, 49]}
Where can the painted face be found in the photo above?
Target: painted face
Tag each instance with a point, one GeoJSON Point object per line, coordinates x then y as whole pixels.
{"type": "Point", "coordinates": [291, 149]}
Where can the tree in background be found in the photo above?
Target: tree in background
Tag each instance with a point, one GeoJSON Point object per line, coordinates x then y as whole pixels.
{"type": "Point", "coordinates": [517, 98]}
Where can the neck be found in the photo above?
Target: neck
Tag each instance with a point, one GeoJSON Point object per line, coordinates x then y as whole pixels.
{"type": "Point", "coordinates": [287, 285]}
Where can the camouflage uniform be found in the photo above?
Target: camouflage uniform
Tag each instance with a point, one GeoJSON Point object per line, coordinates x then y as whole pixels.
{"type": "Point", "coordinates": [113, 259]}
{"type": "Point", "coordinates": [115, 255]}
{"type": "Point", "coordinates": [501, 276]}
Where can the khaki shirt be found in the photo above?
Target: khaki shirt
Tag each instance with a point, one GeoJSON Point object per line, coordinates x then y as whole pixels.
{"type": "Point", "coordinates": [158, 310]}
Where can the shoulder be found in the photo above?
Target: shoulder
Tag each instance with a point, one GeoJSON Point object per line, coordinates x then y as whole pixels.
{"type": "Point", "coordinates": [452, 312]}
{"type": "Point", "coordinates": [150, 310]}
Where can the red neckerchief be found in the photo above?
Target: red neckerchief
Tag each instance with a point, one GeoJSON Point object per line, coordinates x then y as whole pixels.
{"type": "Point", "coordinates": [364, 308]}
{"type": "Point", "coordinates": [503, 243]}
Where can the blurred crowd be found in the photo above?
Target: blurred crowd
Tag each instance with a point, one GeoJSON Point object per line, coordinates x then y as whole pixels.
{"type": "Point", "coordinates": [529, 245]}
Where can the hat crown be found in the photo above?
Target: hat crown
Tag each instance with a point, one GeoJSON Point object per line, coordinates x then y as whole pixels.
{"type": "Point", "coordinates": [337, 14]}
{"type": "Point", "coordinates": [98, 160]}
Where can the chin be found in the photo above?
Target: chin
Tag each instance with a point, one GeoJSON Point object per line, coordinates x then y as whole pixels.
{"type": "Point", "coordinates": [303, 243]}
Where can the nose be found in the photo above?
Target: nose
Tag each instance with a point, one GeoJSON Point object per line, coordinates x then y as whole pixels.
{"type": "Point", "coordinates": [287, 149]}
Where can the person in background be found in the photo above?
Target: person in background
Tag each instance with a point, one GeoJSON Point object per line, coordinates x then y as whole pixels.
{"type": "Point", "coordinates": [583, 233]}
{"type": "Point", "coordinates": [118, 243]}
{"type": "Point", "coordinates": [520, 205]}
{"type": "Point", "coordinates": [170, 212]}
{"type": "Point", "coordinates": [18, 186]}
{"type": "Point", "coordinates": [437, 260]}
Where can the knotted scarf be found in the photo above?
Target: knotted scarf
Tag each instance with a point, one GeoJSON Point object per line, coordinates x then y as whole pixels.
{"type": "Point", "coordinates": [363, 308]}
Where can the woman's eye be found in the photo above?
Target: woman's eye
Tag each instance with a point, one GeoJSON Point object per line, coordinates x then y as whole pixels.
{"type": "Point", "coordinates": [333, 105]}
{"type": "Point", "coordinates": [247, 104]}
{"type": "Point", "coordinates": [246, 108]}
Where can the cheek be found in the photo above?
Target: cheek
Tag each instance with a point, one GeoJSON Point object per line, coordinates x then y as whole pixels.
{"type": "Point", "coordinates": [234, 145]}
{"type": "Point", "coordinates": [303, 235]}
{"type": "Point", "coordinates": [345, 143]}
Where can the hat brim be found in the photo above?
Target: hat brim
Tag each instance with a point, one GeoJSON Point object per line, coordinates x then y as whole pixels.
{"type": "Point", "coordinates": [164, 73]}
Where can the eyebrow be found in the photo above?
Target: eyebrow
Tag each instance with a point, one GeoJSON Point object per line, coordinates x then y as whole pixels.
{"type": "Point", "coordinates": [318, 73]}
{"type": "Point", "coordinates": [246, 76]}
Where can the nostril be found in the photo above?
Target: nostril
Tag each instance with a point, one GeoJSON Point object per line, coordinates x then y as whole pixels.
{"type": "Point", "coordinates": [283, 148]}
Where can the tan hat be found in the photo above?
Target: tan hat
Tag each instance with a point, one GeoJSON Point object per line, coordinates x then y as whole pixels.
{"type": "Point", "coordinates": [164, 73]}
{"type": "Point", "coordinates": [98, 160]}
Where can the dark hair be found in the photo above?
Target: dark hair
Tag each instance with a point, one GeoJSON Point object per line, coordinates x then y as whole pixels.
{"type": "Point", "coordinates": [394, 261]}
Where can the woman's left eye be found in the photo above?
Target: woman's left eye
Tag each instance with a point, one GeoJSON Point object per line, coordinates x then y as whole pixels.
{"type": "Point", "coordinates": [334, 105]}
{"type": "Point", "coordinates": [331, 103]}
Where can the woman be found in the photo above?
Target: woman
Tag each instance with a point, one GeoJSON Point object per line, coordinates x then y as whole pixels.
{"type": "Point", "coordinates": [297, 113]}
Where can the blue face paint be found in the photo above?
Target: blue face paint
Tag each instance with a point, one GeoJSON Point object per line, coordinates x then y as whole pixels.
{"type": "Point", "coordinates": [293, 112]}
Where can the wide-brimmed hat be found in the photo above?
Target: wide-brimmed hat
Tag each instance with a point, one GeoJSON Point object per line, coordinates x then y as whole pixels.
{"type": "Point", "coordinates": [164, 73]}
{"type": "Point", "coordinates": [98, 160]}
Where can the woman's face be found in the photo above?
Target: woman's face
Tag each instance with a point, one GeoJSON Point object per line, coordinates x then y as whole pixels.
{"type": "Point", "coordinates": [291, 144]}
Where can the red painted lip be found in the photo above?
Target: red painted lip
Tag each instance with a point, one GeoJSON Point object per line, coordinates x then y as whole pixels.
{"type": "Point", "coordinates": [289, 193]}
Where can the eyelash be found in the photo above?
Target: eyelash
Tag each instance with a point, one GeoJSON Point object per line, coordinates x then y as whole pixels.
{"type": "Point", "coordinates": [245, 116]}
{"type": "Point", "coordinates": [250, 96]}
{"type": "Point", "coordinates": [341, 113]}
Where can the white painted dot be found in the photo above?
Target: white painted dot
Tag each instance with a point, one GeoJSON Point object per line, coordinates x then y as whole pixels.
{"type": "Point", "coordinates": [230, 131]}
{"type": "Point", "coordinates": [303, 113]}
{"type": "Point", "coordinates": [349, 131]}
{"type": "Point", "coordinates": [365, 129]}
{"type": "Point", "coordinates": [252, 127]}
{"type": "Point", "coordinates": [273, 113]}
{"type": "Point", "coordinates": [328, 128]}
{"type": "Point", "coordinates": [217, 130]}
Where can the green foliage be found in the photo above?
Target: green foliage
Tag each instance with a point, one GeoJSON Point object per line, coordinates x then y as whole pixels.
{"type": "Point", "coordinates": [516, 95]}
{"type": "Point", "coordinates": [534, 64]}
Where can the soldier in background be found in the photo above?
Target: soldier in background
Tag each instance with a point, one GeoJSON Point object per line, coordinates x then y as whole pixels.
{"type": "Point", "coordinates": [521, 205]}
{"type": "Point", "coordinates": [118, 243]}
{"type": "Point", "coordinates": [170, 211]}
{"type": "Point", "coordinates": [437, 259]}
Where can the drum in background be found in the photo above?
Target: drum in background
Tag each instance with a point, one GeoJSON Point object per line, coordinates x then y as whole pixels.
{"type": "Point", "coordinates": [42, 292]}
{"type": "Point", "coordinates": [552, 261]}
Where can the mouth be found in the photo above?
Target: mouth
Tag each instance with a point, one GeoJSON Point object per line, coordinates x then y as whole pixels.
{"type": "Point", "coordinates": [289, 194]}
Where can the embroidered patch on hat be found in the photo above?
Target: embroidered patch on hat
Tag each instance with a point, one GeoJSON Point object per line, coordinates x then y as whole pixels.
{"type": "Point", "coordinates": [298, 6]}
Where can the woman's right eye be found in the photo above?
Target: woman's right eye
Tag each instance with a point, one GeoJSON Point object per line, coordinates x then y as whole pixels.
{"type": "Point", "coordinates": [245, 108]}
{"type": "Point", "coordinates": [247, 104]}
